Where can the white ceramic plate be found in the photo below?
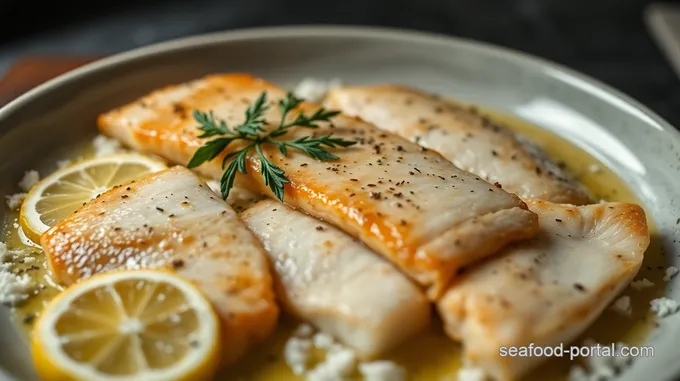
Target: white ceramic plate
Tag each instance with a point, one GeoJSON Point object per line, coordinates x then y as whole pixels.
{"type": "Point", "coordinates": [634, 142]}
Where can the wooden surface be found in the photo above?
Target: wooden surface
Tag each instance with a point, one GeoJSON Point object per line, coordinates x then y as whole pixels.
{"type": "Point", "coordinates": [30, 72]}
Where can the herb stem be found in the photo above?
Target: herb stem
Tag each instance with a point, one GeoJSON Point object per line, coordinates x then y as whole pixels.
{"type": "Point", "coordinates": [253, 130]}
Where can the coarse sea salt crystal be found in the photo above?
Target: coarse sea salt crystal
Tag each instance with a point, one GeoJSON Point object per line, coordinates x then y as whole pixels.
{"type": "Point", "coordinates": [642, 284]}
{"type": "Point", "coordinates": [470, 373]}
{"type": "Point", "coordinates": [64, 163]}
{"type": "Point", "coordinates": [14, 201]}
{"type": "Point", "coordinates": [664, 306]}
{"type": "Point", "coordinates": [104, 145]}
{"type": "Point", "coordinates": [29, 180]}
{"type": "Point", "coordinates": [671, 271]}
{"type": "Point", "coordinates": [340, 363]}
{"type": "Point", "coordinates": [594, 168]}
{"type": "Point", "coordinates": [622, 306]}
{"type": "Point", "coordinates": [382, 371]}
{"type": "Point", "coordinates": [601, 367]}
{"type": "Point", "coordinates": [13, 288]}
{"type": "Point", "coordinates": [312, 89]}
{"type": "Point", "coordinates": [296, 354]}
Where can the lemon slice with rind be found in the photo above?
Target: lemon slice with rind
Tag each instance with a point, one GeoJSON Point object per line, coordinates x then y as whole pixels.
{"type": "Point", "coordinates": [140, 325]}
{"type": "Point", "coordinates": [64, 191]}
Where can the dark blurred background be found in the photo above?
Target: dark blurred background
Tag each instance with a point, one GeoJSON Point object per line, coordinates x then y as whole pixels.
{"type": "Point", "coordinates": [606, 39]}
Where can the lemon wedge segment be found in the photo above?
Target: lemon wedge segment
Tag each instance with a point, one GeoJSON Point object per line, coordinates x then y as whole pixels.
{"type": "Point", "coordinates": [64, 191]}
{"type": "Point", "coordinates": [143, 325]}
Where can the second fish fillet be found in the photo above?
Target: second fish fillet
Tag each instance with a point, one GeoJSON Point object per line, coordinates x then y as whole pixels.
{"type": "Point", "coordinates": [470, 140]}
{"type": "Point", "coordinates": [325, 277]}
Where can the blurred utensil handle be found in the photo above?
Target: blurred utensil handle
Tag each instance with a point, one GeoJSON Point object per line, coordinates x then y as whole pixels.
{"type": "Point", "coordinates": [663, 21]}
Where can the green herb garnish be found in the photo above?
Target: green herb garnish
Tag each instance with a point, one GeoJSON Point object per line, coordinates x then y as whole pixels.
{"type": "Point", "coordinates": [252, 130]}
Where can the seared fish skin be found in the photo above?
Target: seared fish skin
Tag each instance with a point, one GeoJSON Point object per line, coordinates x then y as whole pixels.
{"type": "Point", "coordinates": [407, 203]}
{"type": "Point", "coordinates": [546, 290]}
{"type": "Point", "coordinates": [471, 141]}
{"type": "Point", "coordinates": [325, 277]}
{"type": "Point", "coordinates": [171, 219]}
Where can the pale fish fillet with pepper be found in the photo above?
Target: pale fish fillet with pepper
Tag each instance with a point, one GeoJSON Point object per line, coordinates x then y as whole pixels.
{"type": "Point", "coordinates": [546, 290]}
{"type": "Point", "coordinates": [470, 140]}
{"type": "Point", "coordinates": [171, 219]}
{"type": "Point", "coordinates": [409, 204]}
{"type": "Point", "coordinates": [327, 278]}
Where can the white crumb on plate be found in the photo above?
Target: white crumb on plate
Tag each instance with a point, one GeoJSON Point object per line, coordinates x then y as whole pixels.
{"type": "Point", "coordinates": [382, 370]}
{"type": "Point", "coordinates": [323, 341]}
{"type": "Point", "coordinates": [339, 364]}
{"type": "Point", "coordinates": [606, 366]}
{"type": "Point", "coordinates": [104, 145]}
{"type": "Point", "coordinates": [29, 180]}
{"type": "Point", "coordinates": [304, 330]}
{"type": "Point", "coordinates": [594, 168]}
{"type": "Point", "coordinates": [577, 373]}
{"type": "Point", "coordinates": [313, 90]}
{"type": "Point", "coordinates": [663, 306]}
{"type": "Point", "coordinates": [622, 306]}
{"type": "Point", "coordinates": [13, 288]}
{"type": "Point", "coordinates": [297, 353]}
{"type": "Point", "coordinates": [468, 373]}
{"type": "Point", "coordinates": [14, 201]}
{"type": "Point", "coordinates": [671, 271]}
{"type": "Point", "coordinates": [63, 163]}
{"type": "Point", "coordinates": [642, 284]}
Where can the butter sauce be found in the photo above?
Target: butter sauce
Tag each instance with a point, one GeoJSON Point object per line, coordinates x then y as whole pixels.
{"type": "Point", "coordinates": [430, 356]}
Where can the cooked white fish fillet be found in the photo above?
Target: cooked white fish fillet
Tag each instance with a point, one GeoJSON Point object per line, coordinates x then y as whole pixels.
{"type": "Point", "coordinates": [546, 290]}
{"type": "Point", "coordinates": [408, 204]}
{"type": "Point", "coordinates": [471, 141]}
{"type": "Point", "coordinates": [325, 277]}
{"type": "Point", "coordinates": [171, 219]}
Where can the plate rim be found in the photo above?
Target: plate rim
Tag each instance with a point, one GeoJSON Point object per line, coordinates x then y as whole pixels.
{"type": "Point", "coordinates": [600, 90]}
{"type": "Point", "coordinates": [583, 81]}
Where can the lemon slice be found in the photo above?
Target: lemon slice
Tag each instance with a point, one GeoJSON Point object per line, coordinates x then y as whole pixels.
{"type": "Point", "coordinates": [67, 189]}
{"type": "Point", "coordinates": [141, 325]}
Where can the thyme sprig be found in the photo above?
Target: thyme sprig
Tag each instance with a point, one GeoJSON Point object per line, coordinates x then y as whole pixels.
{"type": "Point", "coordinates": [253, 131]}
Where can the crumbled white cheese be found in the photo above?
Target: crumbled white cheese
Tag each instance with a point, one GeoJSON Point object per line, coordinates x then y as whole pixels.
{"type": "Point", "coordinates": [642, 284]}
{"type": "Point", "coordinates": [296, 353]}
{"type": "Point", "coordinates": [14, 201]}
{"type": "Point", "coordinates": [468, 373]}
{"type": "Point", "coordinates": [340, 363]}
{"type": "Point", "coordinates": [13, 288]}
{"type": "Point", "coordinates": [670, 273]}
{"type": "Point", "coordinates": [622, 306]}
{"type": "Point", "coordinates": [104, 145]}
{"type": "Point", "coordinates": [577, 373]}
{"type": "Point", "coordinates": [594, 168]}
{"type": "Point", "coordinates": [63, 163]}
{"type": "Point", "coordinates": [323, 341]}
{"type": "Point", "coordinates": [29, 180]}
{"type": "Point", "coordinates": [313, 89]}
{"type": "Point", "coordinates": [601, 367]}
{"type": "Point", "coordinates": [304, 330]}
{"type": "Point", "coordinates": [7, 254]}
{"type": "Point", "coordinates": [382, 371]}
{"type": "Point", "coordinates": [664, 306]}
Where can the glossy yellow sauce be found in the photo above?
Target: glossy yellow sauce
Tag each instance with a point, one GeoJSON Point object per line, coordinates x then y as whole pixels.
{"type": "Point", "coordinates": [431, 356]}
